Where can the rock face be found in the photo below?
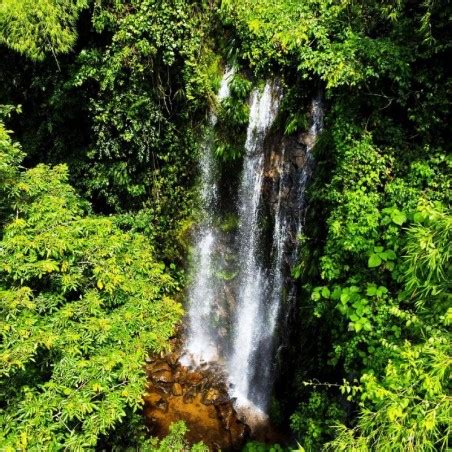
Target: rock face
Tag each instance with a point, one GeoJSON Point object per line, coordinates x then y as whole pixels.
{"type": "Point", "coordinates": [198, 397]}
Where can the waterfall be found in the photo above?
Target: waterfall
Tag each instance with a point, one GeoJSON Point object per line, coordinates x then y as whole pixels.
{"type": "Point", "coordinates": [289, 217]}
{"type": "Point", "coordinates": [247, 349]}
{"type": "Point", "coordinates": [305, 172]}
{"type": "Point", "coordinates": [250, 329]}
{"type": "Point", "coordinates": [200, 345]}
{"type": "Point", "coordinates": [261, 292]}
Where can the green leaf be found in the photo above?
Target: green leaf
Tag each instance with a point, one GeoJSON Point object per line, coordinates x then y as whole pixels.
{"type": "Point", "coordinates": [390, 255]}
{"type": "Point", "coordinates": [398, 217]}
{"type": "Point", "coordinates": [374, 261]}
{"type": "Point", "coordinates": [315, 295]}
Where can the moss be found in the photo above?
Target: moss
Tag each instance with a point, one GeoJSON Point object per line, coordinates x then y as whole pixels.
{"type": "Point", "coordinates": [230, 223]}
{"type": "Point", "coordinates": [226, 275]}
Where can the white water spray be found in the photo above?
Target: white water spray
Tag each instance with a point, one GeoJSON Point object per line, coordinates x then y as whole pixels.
{"type": "Point", "coordinates": [249, 327]}
{"type": "Point", "coordinates": [259, 288]}
{"type": "Point", "coordinates": [200, 345]}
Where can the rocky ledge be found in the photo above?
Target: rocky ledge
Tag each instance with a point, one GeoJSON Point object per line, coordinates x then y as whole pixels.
{"type": "Point", "coordinates": [198, 397]}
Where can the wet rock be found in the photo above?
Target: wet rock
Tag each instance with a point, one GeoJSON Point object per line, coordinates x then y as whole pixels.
{"type": "Point", "coordinates": [173, 358]}
{"type": "Point", "coordinates": [214, 396]}
{"type": "Point", "coordinates": [190, 395]}
{"type": "Point", "coordinates": [300, 162]}
{"type": "Point", "coordinates": [227, 414]}
{"type": "Point", "coordinates": [159, 366]}
{"type": "Point", "coordinates": [240, 432]}
{"type": "Point", "coordinates": [181, 374]}
{"type": "Point", "coordinates": [177, 390]}
{"type": "Point", "coordinates": [210, 396]}
{"type": "Point", "coordinates": [306, 138]}
{"type": "Point", "coordinates": [194, 377]}
{"type": "Point", "coordinates": [163, 376]}
{"type": "Point", "coordinates": [223, 332]}
{"type": "Point", "coordinates": [162, 405]}
{"type": "Point", "coordinates": [163, 388]}
{"type": "Point", "coordinates": [199, 397]}
{"type": "Point", "coordinates": [229, 298]}
{"type": "Point", "coordinates": [153, 398]}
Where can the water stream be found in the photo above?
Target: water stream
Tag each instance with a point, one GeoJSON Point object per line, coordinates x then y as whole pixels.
{"type": "Point", "coordinates": [251, 333]}
{"type": "Point", "coordinates": [263, 269]}
{"type": "Point", "coordinates": [201, 345]}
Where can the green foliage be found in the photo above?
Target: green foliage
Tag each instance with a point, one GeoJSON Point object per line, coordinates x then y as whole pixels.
{"type": "Point", "coordinates": [312, 421]}
{"type": "Point", "coordinates": [233, 114]}
{"type": "Point", "coordinates": [428, 253]}
{"type": "Point", "coordinates": [36, 28]}
{"type": "Point", "coordinates": [123, 109]}
{"type": "Point", "coordinates": [229, 223]}
{"type": "Point", "coordinates": [11, 156]}
{"type": "Point", "coordinates": [296, 121]}
{"type": "Point", "coordinates": [84, 298]}
{"type": "Point", "coordinates": [391, 271]}
{"type": "Point", "coordinates": [319, 38]}
{"type": "Point", "coordinates": [254, 446]}
{"type": "Point", "coordinates": [150, 78]}
{"type": "Point", "coordinates": [175, 441]}
{"type": "Point", "coordinates": [408, 407]}
{"type": "Point", "coordinates": [82, 305]}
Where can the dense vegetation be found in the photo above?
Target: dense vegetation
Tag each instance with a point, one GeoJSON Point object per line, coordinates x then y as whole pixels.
{"type": "Point", "coordinates": [108, 100]}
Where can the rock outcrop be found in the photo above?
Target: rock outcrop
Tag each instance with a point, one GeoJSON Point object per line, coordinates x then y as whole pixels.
{"type": "Point", "coordinates": [198, 397]}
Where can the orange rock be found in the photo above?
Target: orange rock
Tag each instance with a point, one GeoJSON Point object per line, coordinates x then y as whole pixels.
{"type": "Point", "coordinates": [177, 389]}
{"type": "Point", "coordinates": [163, 376]}
{"type": "Point", "coordinates": [194, 377]}
{"type": "Point", "coordinates": [214, 396]}
{"type": "Point", "coordinates": [189, 396]}
{"type": "Point", "coordinates": [199, 398]}
{"type": "Point", "coordinates": [210, 396]}
{"type": "Point", "coordinates": [159, 366]}
{"type": "Point", "coordinates": [152, 398]}
{"type": "Point", "coordinates": [173, 358]}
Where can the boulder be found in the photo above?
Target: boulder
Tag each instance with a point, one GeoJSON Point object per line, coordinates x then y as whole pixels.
{"type": "Point", "coordinates": [194, 377]}
{"type": "Point", "coordinates": [214, 396]}
{"type": "Point", "coordinates": [173, 358]}
{"type": "Point", "coordinates": [159, 366]}
{"type": "Point", "coordinates": [163, 376]}
{"type": "Point", "coordinates": [177, 390]}
{"type": "Point", "coordinates": [198, 397]}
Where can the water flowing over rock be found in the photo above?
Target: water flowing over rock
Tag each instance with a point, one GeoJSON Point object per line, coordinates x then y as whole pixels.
{"type": "Point", "coordinates": [288, 170]}
{"type": "Point", "coordinates": [234, 309]}
{"type": "Point", "coordinates": [198, 397]}
{"type": "Point", "coordinates": [201, 344]}
{"type": "Point", "coordinates": [251, 333]}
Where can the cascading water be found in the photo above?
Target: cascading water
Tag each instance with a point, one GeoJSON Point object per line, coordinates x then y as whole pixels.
{"type": "Point", "coordinates": [306, 170]}
{"type": "Point", "coordinates": [259, 287]}
{"type": "Point", "coordinates": [289, 216]}
{"type": "Point", "coordinates": [200, 345]}
{"type": "Point", "coordinates": [250, 319]}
